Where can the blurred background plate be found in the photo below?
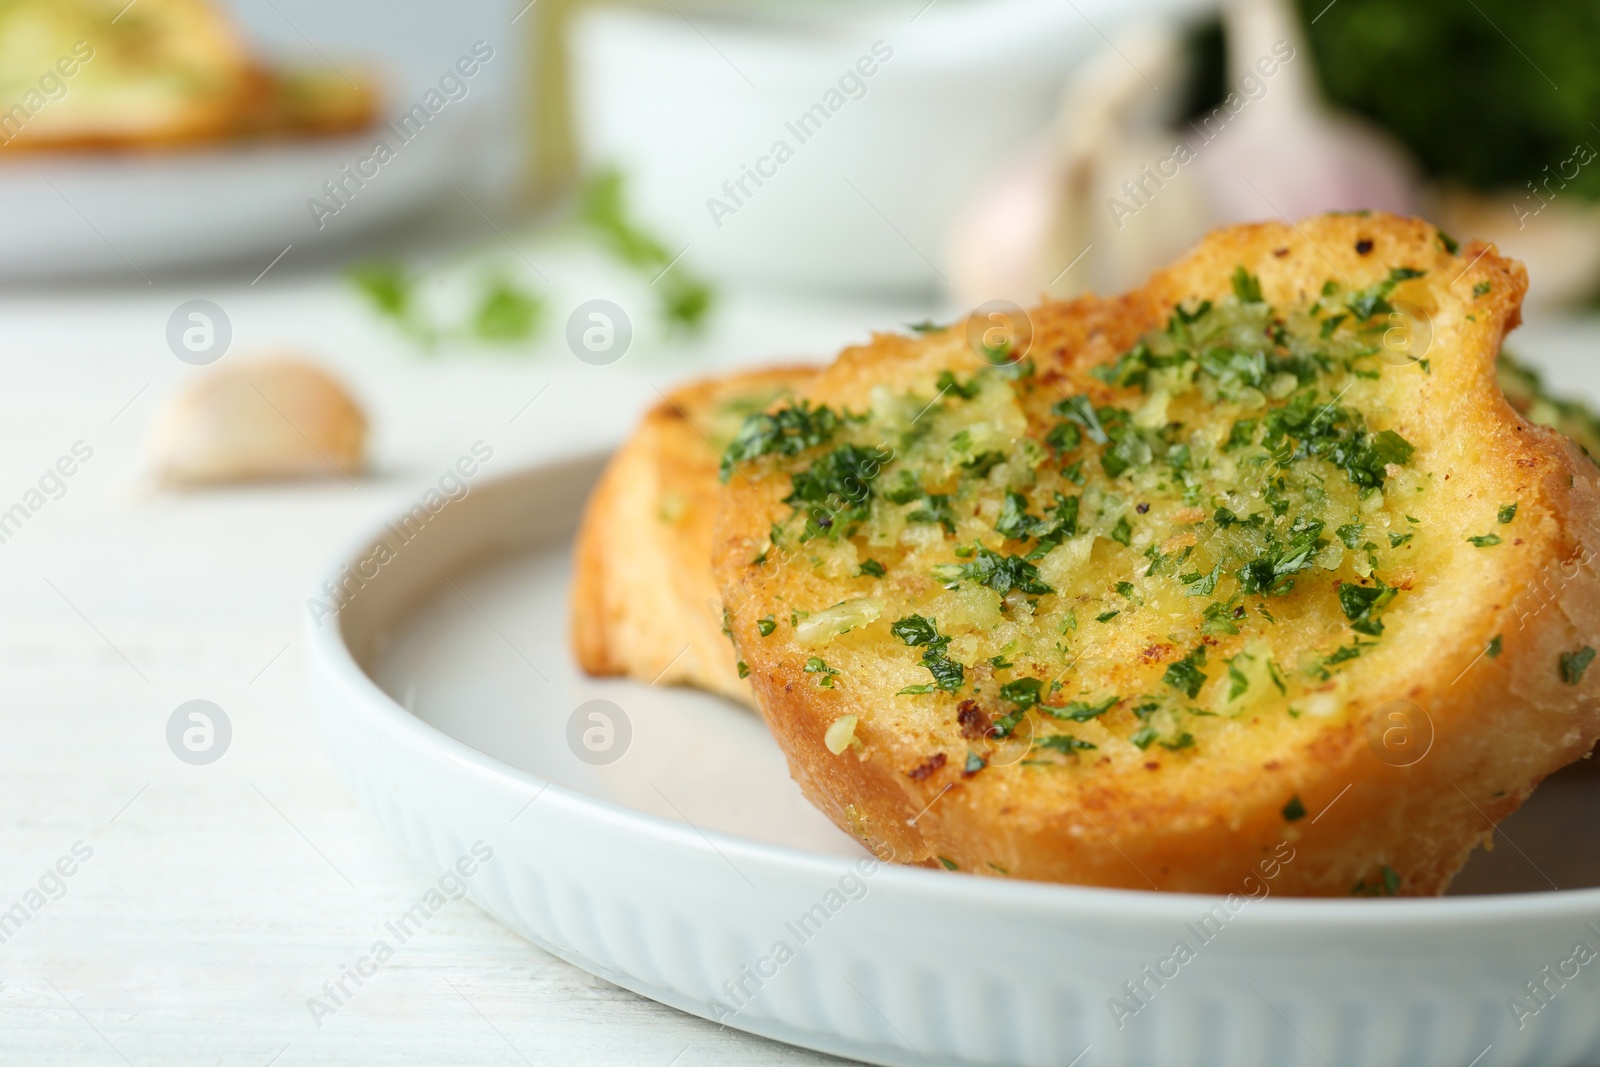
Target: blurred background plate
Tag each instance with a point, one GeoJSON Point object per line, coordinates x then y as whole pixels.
{"type": "Point", "coordinates": [104, 214]}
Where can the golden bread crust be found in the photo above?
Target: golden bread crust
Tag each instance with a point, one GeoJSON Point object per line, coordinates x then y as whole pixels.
{"type": "Point", "coordinates": [644, 603]}
{"type": "Point", "coordinates": [1473, 648]}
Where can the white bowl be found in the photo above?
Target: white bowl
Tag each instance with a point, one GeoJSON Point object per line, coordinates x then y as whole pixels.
{"type": "Point", "coordinates": [685, 99]}
{"type": "Point", "coordinates": [677, 870]}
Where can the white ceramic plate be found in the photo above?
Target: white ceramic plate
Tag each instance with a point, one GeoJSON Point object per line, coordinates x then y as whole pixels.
{"type": "Point", "coordinates": [690, 867]}
{"type": "Point", "coordinates": [118, 214]}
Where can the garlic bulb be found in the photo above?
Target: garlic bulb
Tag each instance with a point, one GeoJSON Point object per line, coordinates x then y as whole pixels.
{"type": "Point", "coordinates": [1113, 193]}
{"type": "Point", "coordinates": [270, 418]}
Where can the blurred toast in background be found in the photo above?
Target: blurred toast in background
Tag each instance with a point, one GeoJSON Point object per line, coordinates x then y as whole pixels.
{"type": "Point", "coordinates": [106, 74]}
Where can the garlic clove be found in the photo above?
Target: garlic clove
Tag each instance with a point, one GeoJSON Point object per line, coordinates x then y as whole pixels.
{"type": "Point", "coordinates": [273, 418]}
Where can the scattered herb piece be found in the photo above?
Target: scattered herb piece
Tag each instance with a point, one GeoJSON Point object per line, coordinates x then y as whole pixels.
{"type": "Point", "coordinates": [1000, 573]}
{"type": "Point", "coordinates": [1246, 286]}
{"type": "Point", "coordinates": [1362, 604]}
{"type": "Point", "coordinates": [1081, 710]}
{"type": "Point", "coordinates": [916, 631]}
{"type": "Point", "coordinates": [816, 665]}
{"type": "Point", "coordinates": [1063, 743]}
{"type": "Point", "coordinates": [1573, 664]}
{"type": "Point", "coordinates": [1185, 675]}
{"type": "Point", "coordinates": [785, 432]}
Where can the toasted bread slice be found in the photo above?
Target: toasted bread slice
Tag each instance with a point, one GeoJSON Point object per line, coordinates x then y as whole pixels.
{"type": "Point", "coordinates": [106, 74]}
{"type": "Point", "coordinates": [1249, 578]}
{"type": "Point", "coordinates": [644, 603]}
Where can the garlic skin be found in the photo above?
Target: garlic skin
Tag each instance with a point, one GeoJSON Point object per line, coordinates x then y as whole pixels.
{"type": "Point", "coordinates": [1112, 193]}
{"type": "Point", "coordinates": [267, 419]}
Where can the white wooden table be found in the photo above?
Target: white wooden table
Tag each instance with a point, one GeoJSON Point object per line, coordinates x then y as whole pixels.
{"type": "Point", "coordinates": [218, 899]}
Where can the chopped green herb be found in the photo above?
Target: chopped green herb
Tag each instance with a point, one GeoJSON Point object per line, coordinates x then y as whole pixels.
{"type": "Point", "coordinates": [1106, 616]}
{"type": "Point", "coordinates": [1238, 681]}
{"type": "Point", "coordinates": [935, 508]}
{"type": "Point", "coordinates": [1481, 288]}
{"type": "Point", "coordinates": [1246, 286]}
{"type": "Point", "coordinates": [1485, 540]}
{"type": "Point", "coordinates": [947, 383]}
{"type": "Point", "coordinates": [1387, 884]}
{"type": "Point", "coordinates": [1507, 513]}
{"type": "Point", "coordinates": [1494, 647]}
{"type": "Point", "coordinates": [1000, 573]}
{"type": "Point", "coordinates": [984, 462]}
{"type": "Point", "coordinates": [1063, 743]}
{"type": "Point", "coordinates": [1023, 692]}
{"type": "Point", "coordinates": [949, 865]}
{"type": "Point", "coordinates": [765, 626]}
{"type": "Point", "coordinates": [1362, 604]}
{"type": "Point", "coordinates": [604, 211]}
{"type": "Point", "coordinates": [816, 665]}
{"type": "Point", "coordinates": [1198, 584]}
{"type": "Point", "coordinates": [833, 492]}
{"type": "Point", "coordinates": [1573, 664]}
{"type": "Point", "coordinates": [1122, 532]}
{"type": "Point", "coordinates": [1064, 437]}
{"type": "Point", "coordinates": [1277, 680]}
{"type": "Point", "coordinates": [785, 432]}
{"type": "Point", "coordinates": [1219, 618]}
{"type": "Point", "coordinates": [870, 568]}
{"type": "Point", "coordinates": [1294, 811]}
{"type": "Point", "coordinates": [1080, 710]}
{"type": "Point", "coordinates": [1241, 435]}
{"type": "Point", "coordinates": [1185, 675]}
{"type": "Point", "coordinates": [507, 313]}
{"type": "Point", "coordinates": [914, 630]}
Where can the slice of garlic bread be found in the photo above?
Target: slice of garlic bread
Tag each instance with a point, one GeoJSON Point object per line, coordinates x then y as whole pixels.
{"type": "Point", "coordinates": [109, 74]}
{"type": "Point", "coordinates": [644, 603]}
{"type": "Point", "coordinates": [1249, 577]}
